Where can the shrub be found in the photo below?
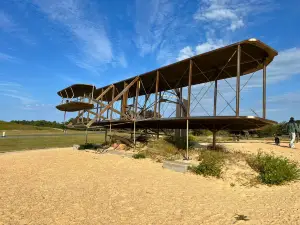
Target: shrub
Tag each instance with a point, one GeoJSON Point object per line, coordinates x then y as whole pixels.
{"type": "Point", "coordinates": [87, 146]}
{"type": "Point", "coordinates": [211, 164]}
{"type": "Point", "coordinates": [139, 156]}
{"type": "Point", "coordinates": [219, 148]}
{"type": "Point", "coordinates": [274, 170]}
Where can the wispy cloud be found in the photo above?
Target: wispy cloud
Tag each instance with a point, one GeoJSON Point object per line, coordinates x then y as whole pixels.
{"type": "Point", "coordinates": [6, 57]}
{"type": "Point", "coordinates": [289, 97]}
{"type": "Point", "coordinates": [8, 25]}
{"type": "Point", "coordinates": [88, 32]}
{"type": "Point", "coordinates": [6, 21]}
{"type": "Point", "coordinates": [16, 91]}
{"type": "Point", "coordinates": [229, 14]}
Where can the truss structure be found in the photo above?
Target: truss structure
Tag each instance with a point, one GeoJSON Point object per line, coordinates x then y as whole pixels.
{"type": "Point", "coordinates": [142, 101]}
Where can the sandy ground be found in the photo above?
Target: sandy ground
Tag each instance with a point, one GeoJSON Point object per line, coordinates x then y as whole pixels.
{"type": "Point", "coordinates": [65, 186]}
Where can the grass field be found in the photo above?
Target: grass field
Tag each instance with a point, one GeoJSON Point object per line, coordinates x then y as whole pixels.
{"type": "Point", "coordinates": [18, 144]}
{"type": "Point", "coordinates": [12, 129]}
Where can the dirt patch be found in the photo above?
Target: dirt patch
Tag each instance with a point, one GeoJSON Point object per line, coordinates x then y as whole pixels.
{"type": "Point", "coordinates": [65, 186]}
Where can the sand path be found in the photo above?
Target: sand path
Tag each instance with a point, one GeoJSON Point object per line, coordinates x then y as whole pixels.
{"type": "Point", "coordinates": [64, 186]}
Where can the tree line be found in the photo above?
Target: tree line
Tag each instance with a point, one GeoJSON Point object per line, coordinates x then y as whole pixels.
{"type": "Point", "coordinates": [40, 123]}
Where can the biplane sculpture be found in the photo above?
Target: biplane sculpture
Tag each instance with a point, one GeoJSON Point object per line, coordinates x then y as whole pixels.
{"type": "Point", "coordinates": [135, 103]}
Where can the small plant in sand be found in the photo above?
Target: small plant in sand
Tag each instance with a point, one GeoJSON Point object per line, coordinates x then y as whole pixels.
{"type": "Point", "coordinates": [211, 164]}
{"type": "Point", "coordinates": [87, 146]}
{"type": "Point", "coordinates": [274, 170]}
{"type": "Point", "coordinates": [139, 156]}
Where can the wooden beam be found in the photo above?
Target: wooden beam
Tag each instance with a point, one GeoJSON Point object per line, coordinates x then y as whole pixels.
{"type": "Point", "coordinates": [137, 92]}
{"type": "Point", "coordinates": [104, 92]}
{"type": "Point", "coordinates": [115, 99]}
{"type": "Point", "coordinates": [156, 91]}
{"type": "Point", "coordinates": [238, 80]}
{"type": "Point", "coordinates": [124, 100]}
{"type": "Point", "coordinates": [112, 107]}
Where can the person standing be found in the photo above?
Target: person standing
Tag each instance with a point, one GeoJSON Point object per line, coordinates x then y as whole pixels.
{"type": "Point", "coordinates": [292, 130]}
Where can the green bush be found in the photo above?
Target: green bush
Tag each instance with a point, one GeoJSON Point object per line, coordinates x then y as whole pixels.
{"type": "Point", "coordinates": [87, 146]}
{"type": "Point", "coordinates": [274, 170]}
{"type": "Point", "coordinates": [139, 156]}
{"type": "Point", "coordinates": [211, 164]}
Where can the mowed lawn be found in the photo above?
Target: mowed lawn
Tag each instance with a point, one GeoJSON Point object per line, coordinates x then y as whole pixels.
{"type": "Point", "coordinates": [23, 143]}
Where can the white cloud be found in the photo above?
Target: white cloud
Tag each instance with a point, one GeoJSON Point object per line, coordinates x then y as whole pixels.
{"type": "Point", "coordinates": [16, 91]}
{"type": "Point", "coordinates": [289, 97]}
{"type": "Point", "coordinates": [87, 29]}
{"type": "Point", "coordinates": [209, 45]}
{"type": "Point", "coordinates": [185, 53]}
{"type": "Point", "coordinates": [6, 57]}
{"type": "Point", "coordinates": [5, 21]}
{"type": "Point", "coordinates": [24, 100]}
{"type": "Point", "coordinates": [229, 14]}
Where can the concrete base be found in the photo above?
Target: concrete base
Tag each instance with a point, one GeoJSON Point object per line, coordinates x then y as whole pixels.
{"type": "Point", "coordinates": [176, 166]}
{"type": "Point", "coordinates": [126, 154]}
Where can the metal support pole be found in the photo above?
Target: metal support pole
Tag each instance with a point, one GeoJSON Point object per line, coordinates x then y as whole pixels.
{"type": "Point", "coordinates": [214, 139]}
{"type": "Point", "coordinates": [188, 108]}
{"type": "Point", "coordinates": [187, 140]}
{"type": "Point", "coordinates": [238, 74]}
{"type": "Point", "coordinates": [264, 90]}
{"type": "Point", "coordinates": [190, 88]}
{"type": "Point", "coordinates": [105, 135]}
{"type": "Point", "coordinates": [86, 135]}
{"type": "Point", "coordinates": [159, 105]}
{"type": "Point", "coordinates": [156, 90]}
{"type": "Point", "coordinates": [110, 132]}
{"type": "Point", "coordinates": [134, 141]}
{"type": "Point", "coordinates": [215, 97]}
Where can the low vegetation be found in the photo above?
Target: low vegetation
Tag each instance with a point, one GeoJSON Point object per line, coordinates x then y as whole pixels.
{"type": "Point", "coordinates": [211, 163]}
{"type": "Point", "coordinates": [274, 170]}
{"type": "Point", "coordinates": [139, 156]}
{"type": "Point", "coordinates": [18, 144]}
{"type": "Point", "coordinates": [162, 149]}
{"type": "Point", "coordinates": [87, 146]}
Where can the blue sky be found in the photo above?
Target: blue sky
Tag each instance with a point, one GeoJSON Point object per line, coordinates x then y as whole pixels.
{"type": "Point", "coordinates": [46, 45]}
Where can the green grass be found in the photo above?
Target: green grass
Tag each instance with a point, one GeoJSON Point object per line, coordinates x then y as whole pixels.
{"type": "Point", "coordinates": [139, 156]}
{"type": "Point", "coordinates": [274, 170]}
{"type": "Point", "coordinates": [18, 144]}
{"type": "Point", "coordinates": [162, 149]}
{"type": "Point", "coordinates": [211, 163]}
{"type": "Point", "coordinates": [20, 129]}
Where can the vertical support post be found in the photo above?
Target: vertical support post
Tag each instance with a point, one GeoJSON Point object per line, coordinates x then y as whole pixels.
{"type": "Point", "coordinates": [65, 131]}
{"type": "Point", "coordinates": [134, 141]}
{"type": "Point", "coordinates": [214, 139]}
{"type": "Point", "coordinates": [159, 105]}
{"type": "Point", "coordinates": [112, 97]}
{"type": "Point", "coordinates": [188, 108]}
{"type": "Point", "coordinates": [137, 92]}
{"type": "Point", "coordinates": [264, 90]}
{"type": "Point", "coordinates": [190, 88]}
{"type": "Point", "coordinates": [105, 137]}
{"type": "Point", "coordinates": [187, 140]}
{"type": "Point", "coordinates": [215, 97]}
{"type": "Point", "coordinates": [238, 79]}
{"type": "Point", "coordinates": [156, 90]}
{"type": "Point", "coordinates": [110, 132]}
{"type": "Point", "coordinates": [124, 101]}
{"type": "Point", "coordinates": [86, 135]}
